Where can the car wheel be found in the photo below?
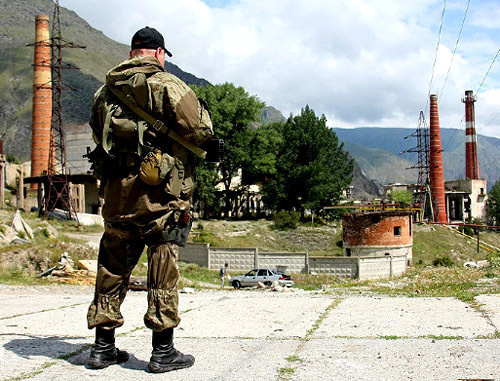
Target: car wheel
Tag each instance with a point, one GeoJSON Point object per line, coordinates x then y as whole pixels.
{"type": "Point", "coordinates": [236, 284]}
{"type": "Point", "coordinates": [267, 283]}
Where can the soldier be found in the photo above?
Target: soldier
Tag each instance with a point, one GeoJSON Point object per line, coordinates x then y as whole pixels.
{"type": "Point", "coordinates": [147, 125]}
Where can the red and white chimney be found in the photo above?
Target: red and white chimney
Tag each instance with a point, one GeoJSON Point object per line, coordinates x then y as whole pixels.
{"type": "Point", "coordinates": [471, 162]}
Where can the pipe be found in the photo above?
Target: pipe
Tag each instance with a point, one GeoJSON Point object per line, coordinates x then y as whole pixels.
{"type": "Point", "coordinates": [42, 99]}
{"type": "Point", "coordinates": [436, 164]}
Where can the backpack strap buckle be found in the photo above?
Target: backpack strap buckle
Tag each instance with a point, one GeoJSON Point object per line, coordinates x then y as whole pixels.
{"type": "Point", "coordinates": [159, 126]}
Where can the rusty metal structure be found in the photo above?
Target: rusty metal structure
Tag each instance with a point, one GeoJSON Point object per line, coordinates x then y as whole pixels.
{"type": "Point", "coordinates": [436, 164]}
{"type": "Point", "coordinates": [49, 170]}
{"type": "Point", "coordinates": [42, 99]}
{"type": "Point", "coordinates": [57, 157]}
{"type": "Point", "coordinates": [471, 160]}
{"type": "Point", "coordinates": [422, 151]}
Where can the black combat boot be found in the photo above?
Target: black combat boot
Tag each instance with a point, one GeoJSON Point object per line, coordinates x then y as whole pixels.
{"type": "Point", "coordinates": [104, 353]}
{"type": "Point", "coordinates": [165, 357]}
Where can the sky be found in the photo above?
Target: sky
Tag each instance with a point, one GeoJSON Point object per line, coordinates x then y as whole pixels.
{"type": "Point", "coordinates": [361, 63]}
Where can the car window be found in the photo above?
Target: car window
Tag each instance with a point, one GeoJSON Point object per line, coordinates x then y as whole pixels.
{"type": "Point", "coordinates": [270, 273]}
{"type": "Point", "coordinates": [262, 273]}
{"type": "Point", "coordinates": [251, 273]}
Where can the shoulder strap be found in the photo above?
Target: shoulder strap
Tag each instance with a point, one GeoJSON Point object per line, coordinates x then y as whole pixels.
{"type": "Point", "coordinates": [158, 125]}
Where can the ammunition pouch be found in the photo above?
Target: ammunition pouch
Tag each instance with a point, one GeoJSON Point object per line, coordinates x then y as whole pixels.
{"type": "Point", "coordinates": [157, 168]}
{"type": "Point", "coordinates": [177, 232]}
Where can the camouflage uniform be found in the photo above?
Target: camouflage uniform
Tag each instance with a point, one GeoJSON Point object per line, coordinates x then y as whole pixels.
{"type": "Point", "coordinates": [136, 214]}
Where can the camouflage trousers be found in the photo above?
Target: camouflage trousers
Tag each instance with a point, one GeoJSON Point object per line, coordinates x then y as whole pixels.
{"type": "Point", "coordinates": [119, 252]}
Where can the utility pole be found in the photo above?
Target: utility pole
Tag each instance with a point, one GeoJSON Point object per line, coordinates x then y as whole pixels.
{"type": "Point", "coordinates": [422, 150]}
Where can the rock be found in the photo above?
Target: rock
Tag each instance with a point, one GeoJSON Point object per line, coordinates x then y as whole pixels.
{"type": "Point", "coordinates": [22, 227]}
{"type": "Point", "coordinates": [89, 265]}
{"type": "Point", "coordinates": [8, 234]}
{"type": "Point", "coordinates": [261, 285]}
{"type": "Point", "coordinates": [483, 263]}
{"type": "Point", "coordinates": [87, 219]}
{"type": "Point", "coordinates": [471, 264]}
{"type": "Point", "coordinates": [278, 289]}
{"type": "Point", "coordinates": [187, 290]}
{"type": "Point", "coordinates": [51, 231]}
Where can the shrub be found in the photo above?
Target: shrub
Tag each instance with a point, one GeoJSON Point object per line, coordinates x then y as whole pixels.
{"type": "Point", "coordinates": [445, 261]}
{"type": "Point", "coordinates": [284, 220]}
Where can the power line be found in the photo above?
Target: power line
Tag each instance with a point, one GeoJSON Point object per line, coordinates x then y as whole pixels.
{"type": "Point", "coordinates": [436, 54]}
{"type": "Point", "coordinates": [477, 91]}
{"type": "Point", "coordinates": [487, 72]}
{"type": "Point", "coordinates": [455, 50]}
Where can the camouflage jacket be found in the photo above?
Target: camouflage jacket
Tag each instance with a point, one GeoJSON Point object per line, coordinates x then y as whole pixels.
{"type": "Point", "coordinates": [168, 99]}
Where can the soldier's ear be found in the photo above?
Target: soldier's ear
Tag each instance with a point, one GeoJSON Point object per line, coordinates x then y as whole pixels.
{"type": "Point", "coordinates": [130, 54]}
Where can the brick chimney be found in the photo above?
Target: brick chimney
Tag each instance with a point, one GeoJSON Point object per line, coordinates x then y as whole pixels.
{"type": "Point", "coordinates": [436, 165]}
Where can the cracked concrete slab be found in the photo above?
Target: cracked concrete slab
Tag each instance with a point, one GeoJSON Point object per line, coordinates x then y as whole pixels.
{"type": "Point", "coordinates": [256, 315]}
{"type": "Point", "coordinates": [491, 305]}
{"type": "Point", "coordinates": [403, 317]}
{"type": "Point", "coordinates": [402, 359]}
{"type": "Point", "coordinates": [216, 359]}
{"type": "Point", "coordinates": [240, 335]}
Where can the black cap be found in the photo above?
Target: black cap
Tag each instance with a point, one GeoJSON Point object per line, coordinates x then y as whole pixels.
{"type": "Point", "coordinates": [148, 38]}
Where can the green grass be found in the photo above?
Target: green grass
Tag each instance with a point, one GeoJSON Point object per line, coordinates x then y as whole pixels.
{"type": "Point", "coordinates": [286, 371]}
{"type": "Point", "coordinates": [293, 358]}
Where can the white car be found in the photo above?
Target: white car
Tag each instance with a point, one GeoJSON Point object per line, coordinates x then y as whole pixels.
{"type": "Point", "coordinates": [265, 276]}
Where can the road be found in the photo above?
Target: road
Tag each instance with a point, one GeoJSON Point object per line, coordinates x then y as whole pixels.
{"type": "Point", "coordinates": [259, 335]}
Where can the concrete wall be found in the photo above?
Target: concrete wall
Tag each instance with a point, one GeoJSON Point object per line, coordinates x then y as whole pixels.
{"type": "Point", "coordinates": [195, 253]}
{"type": "Point", "coordinates": [293, 262]}
{"type": "Point", "coordinates": [78, 138]}
{"type": "Point", "coordinates": [381, 267]}
{"type": "Point", "coordinates": [342, 267]}
{"type": "Point", "coordinates": [380, 251]}
{"type": "Point", "coordinates": [240, 259]}
{"type": "Point", "coordinates": [363, 268]}
{"type": "Point", "coordinates": [367, 267]}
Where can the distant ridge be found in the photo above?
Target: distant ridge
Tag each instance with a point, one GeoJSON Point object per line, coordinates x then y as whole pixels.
{"type": "Point", "coordinates": [377, 150]}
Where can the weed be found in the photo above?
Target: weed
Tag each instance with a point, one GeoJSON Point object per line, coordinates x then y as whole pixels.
{"type": "Point", "coordinates": [286, 371]}
{"type": "Point", "coordinates": [445, 260]}
{"type": "Point", "coordinates": [293, 358]}
{"type": "Point", "coordinates": [284, 220]}
{"type": "Point", "coordinates": [391, 337]}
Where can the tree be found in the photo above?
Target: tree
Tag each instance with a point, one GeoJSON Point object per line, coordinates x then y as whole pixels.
{"type": "Point", "coordinates": [264, 147]}
{"type": "Point", "coordinates": [312, 168]}
{"type": "Point", "coordinates": [206, 202]}
{"type": "Point", "coordinates": [493, 205]}
{"type": "Point", "coordinates": [232, 111]}
{"type": "Point", "coordinates": [401, 196]}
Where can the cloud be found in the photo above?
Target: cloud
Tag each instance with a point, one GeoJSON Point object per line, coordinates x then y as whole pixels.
{"type": "Point", "coordinates": [359, 62]}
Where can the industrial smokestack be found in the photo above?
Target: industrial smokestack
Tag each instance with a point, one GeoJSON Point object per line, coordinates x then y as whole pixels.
{"type": "Point", "coordinates": [436, 165]}
{"type": "Point", "coordinates": [471, 162]}
{"type": "Point", "coordinates": [42, 98]}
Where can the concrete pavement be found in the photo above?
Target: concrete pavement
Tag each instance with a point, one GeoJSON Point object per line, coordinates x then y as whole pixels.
{"type": "Point", "coordinates": [259, 335]}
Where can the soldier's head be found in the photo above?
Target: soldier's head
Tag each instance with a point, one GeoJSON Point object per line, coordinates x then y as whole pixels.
{"type": "Point", "coordinates": [149, 42]}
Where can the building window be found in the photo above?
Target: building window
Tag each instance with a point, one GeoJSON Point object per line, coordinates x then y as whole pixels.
{"type": "Point", "coordinates": [348, 252]}
{"type": "Point", "coordinates": [397, 230]}
{"type": "Point", "coordinates": [482, 191]}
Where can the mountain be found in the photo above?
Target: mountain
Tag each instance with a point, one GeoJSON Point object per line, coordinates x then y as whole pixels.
{"type": "Point", "coordinates": [362, 187]}
{"type": "Point", "coordinates": [377, 151]}
{"type": "Point", "coordinates": [17, 28]}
